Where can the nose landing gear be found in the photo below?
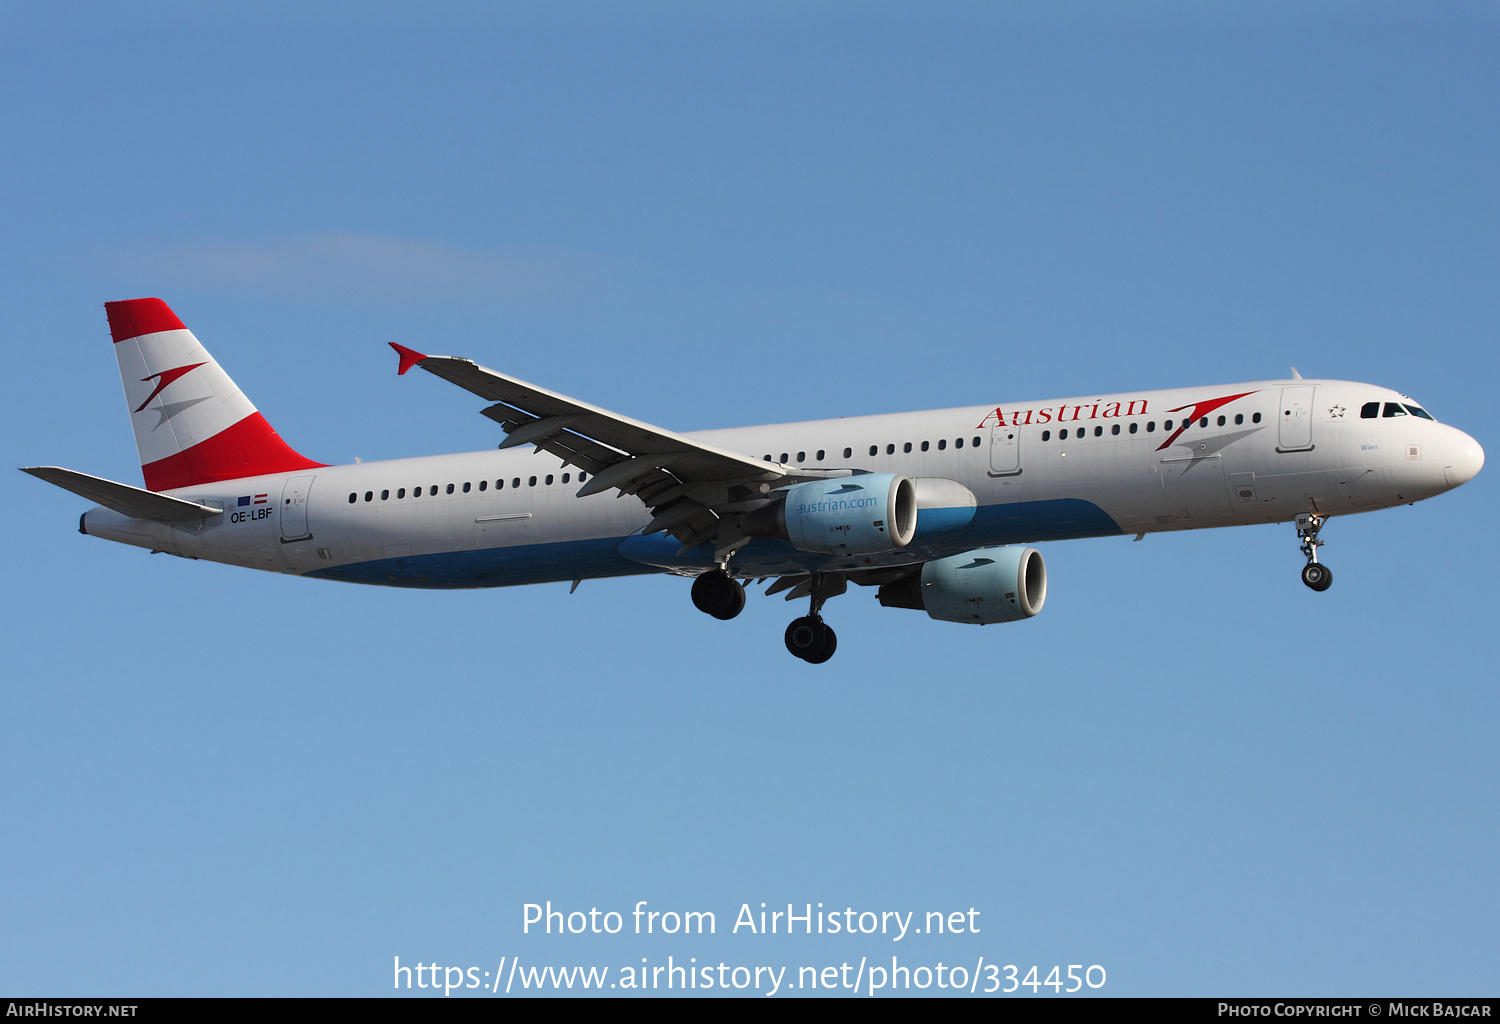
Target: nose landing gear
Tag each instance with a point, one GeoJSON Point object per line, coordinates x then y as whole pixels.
{"type": "Point", "coordinates": [1315, 574]}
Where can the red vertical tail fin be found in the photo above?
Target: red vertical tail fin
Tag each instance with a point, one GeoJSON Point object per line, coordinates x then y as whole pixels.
{"type": "Point", "coordinates": [192, 424]}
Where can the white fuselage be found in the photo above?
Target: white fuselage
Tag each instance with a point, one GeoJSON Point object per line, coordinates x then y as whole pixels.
{"type": "Point", "coordinates": [1049, 470]}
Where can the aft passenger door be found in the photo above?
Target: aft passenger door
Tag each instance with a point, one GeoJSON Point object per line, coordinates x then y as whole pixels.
{"type": "Point", "coordinates": [294, 509]}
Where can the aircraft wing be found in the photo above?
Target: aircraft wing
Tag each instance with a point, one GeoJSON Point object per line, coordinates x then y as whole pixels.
{"type": "Point", "coordinates": [697, 492]}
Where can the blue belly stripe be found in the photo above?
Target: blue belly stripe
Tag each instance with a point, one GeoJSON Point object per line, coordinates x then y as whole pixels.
{"type": "Point", "coordinates": [1020, 522]}
{"type": "Point", "coordinates": [1028, 521]}
{"type": "Point", "coordinates": [493, 567]}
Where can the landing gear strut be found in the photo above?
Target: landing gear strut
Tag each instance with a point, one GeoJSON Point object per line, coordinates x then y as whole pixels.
{"type": "Point", "coordinates": [1315, 574]}
{"type": "Point", "coordinates": [810, 638]}
{"type": "Point", "coordinates": [717, 594]}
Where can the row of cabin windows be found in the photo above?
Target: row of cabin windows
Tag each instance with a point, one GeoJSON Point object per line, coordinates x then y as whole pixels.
{"type": "Point", "coordinates": [1062, 435]}
{"type": "Point", "coordinates": [890, 449]}
{"type": "Point", "coordinates": [484, 485]}
{"type": "Point", "coordinates": [1370, 410]}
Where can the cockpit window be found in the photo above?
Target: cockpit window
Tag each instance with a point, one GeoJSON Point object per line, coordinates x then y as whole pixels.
{"type": "Point", "coordinates": [1369, 411]}
{"type": "Point", "coordinates": [1417, 410]}
{"type": "Point", "coordinates": [1393, 409]}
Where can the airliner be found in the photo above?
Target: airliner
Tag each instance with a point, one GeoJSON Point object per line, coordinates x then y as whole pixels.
{"type": "Point", "coordinates": [935, 510]}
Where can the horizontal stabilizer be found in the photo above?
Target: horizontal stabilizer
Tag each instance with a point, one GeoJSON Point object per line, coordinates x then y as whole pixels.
{"type": "Point", "coordinates": [124, 499]}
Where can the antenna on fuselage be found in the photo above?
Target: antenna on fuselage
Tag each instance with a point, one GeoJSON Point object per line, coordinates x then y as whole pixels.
{"type": "Point", "coordinates": [1295, 374]}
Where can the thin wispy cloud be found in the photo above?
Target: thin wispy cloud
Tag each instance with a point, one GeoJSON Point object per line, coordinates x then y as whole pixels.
{"type": "Point", "coordinates": [350, 265]}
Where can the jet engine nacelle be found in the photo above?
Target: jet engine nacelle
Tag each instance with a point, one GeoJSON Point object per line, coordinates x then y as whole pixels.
{"type": "Point", "coordinates": [985, 585]}
{"type": "Point", "coordinates": [852, 515]}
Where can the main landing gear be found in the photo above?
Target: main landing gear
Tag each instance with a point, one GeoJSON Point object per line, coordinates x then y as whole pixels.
{"type": "Point", "coordinates": [810, 638]}
{"type": "Point", "coordinates": [1315, 574]}
{"type": "Point", "coordinates": [717, 594]}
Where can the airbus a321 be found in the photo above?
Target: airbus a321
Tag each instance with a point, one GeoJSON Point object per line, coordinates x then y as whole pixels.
{"type": "Point", "coordinates": [934, 509]}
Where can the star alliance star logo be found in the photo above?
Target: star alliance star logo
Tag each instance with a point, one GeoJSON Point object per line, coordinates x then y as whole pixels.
{"type": "Point", "coordinates": [1337, 412]}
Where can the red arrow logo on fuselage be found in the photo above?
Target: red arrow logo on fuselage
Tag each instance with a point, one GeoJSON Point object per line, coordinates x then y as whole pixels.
{"type": "Point", "coordinates": [1199, 409]}
{"type": "Point", "coordinates": [167, 377]}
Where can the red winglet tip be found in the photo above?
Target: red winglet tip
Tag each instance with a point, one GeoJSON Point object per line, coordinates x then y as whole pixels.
{"type": "Point", "coordinates": [133, 318]}
{"type": "Point", "coordinates": [409, 357]}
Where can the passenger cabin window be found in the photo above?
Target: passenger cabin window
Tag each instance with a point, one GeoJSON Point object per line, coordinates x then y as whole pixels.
{"type": "Point", "coordinates": [943, 444]}
{"type": "Point", "coordinates": [890, 449]}
{"type": "Point", "coordinates": [907, 448]}
{"type": "Point", "coordinates": [848, 453]}
{"type": "Point", "coordinates": [873, 449]}
{"type": "Point", "coordinates": [925, 446]}
{"type": "Point", "coordinates": [1046, 436]}
{"type": "Point", "coordinates": [1239, 418]}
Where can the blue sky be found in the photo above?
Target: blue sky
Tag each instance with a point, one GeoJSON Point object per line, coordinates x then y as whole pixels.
{"type": "Point", "coordinates": [1189, 769]}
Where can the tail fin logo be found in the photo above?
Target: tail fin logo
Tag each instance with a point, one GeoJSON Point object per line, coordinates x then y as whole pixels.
{"type": "Point", "coordinates": [165, 377]}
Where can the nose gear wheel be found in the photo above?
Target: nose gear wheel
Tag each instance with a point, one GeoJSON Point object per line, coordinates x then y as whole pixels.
{"type": "Point", "coordinates": [1315, 574]}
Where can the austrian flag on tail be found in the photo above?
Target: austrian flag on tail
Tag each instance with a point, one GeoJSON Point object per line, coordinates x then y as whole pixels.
{"type": "Point", "coordinates": [192, 424]}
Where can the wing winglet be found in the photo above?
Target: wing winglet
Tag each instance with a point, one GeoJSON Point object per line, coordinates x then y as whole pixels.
{"type": "Point", "coordinates": [409, 357]}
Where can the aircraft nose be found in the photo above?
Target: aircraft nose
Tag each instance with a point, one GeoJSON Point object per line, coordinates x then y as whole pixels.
{"type": "Point", "coordinates": [1462, 458]}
